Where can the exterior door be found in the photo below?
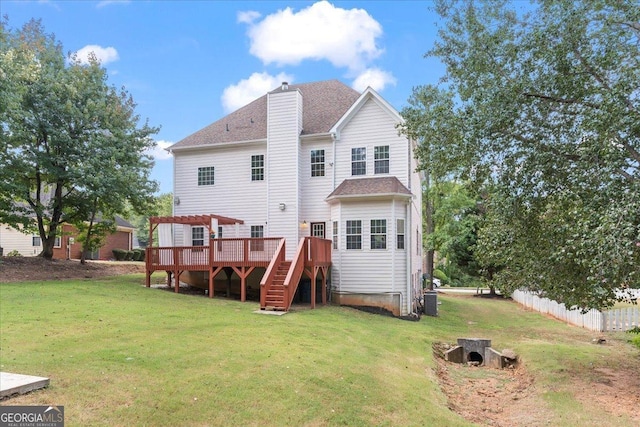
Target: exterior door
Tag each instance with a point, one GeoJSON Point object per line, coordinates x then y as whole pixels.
{"type": "Point", "coordinates": [318, 229]}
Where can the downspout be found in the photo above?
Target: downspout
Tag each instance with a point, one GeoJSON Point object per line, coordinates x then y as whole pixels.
{"type": "Point", "coordinates": [333, 168]}
{"type": "Point", "coordinates": [409, 231]}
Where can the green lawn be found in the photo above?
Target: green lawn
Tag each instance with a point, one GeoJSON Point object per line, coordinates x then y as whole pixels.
{"type": "Point", "coordinates": [120, 354]}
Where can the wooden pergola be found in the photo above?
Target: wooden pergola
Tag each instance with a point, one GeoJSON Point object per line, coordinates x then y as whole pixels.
{"type": "Point", "coordinates": [192, 220]}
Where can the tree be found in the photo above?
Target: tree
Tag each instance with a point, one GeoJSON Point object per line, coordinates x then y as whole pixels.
{"type": "Point", "coordinates": [546, 105]}
{"type": "Point", "coordinates": [72, 147]}
{"type": "Point", "coordinates": [162, 206]}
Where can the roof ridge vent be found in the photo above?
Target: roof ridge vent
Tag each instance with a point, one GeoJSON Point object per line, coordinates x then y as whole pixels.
{"type": "Point", "coordinates": [285, 85]}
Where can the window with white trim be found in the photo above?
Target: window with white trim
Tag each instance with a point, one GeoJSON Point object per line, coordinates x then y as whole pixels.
{"type": "Point", "coordinates": [354, 234]}
{"type": "Point", "coordinates": [257, 232]}
{"type": "Point", "coordinates": [57, 243]}
{"type": "Point", "coordinates": [206, 175]}
{"type": "Point", "coordinates": [359, 161]}
{"type": "Point", "coordinates": [317, 163]}
{"type": "Point", "coordinates": [36, 241]}
{"type": "Point", "coordinates": [317, 229]}
{"type": "Point", "coordinates": [197, 236]}
{"type": "Point", "coordinates": [378, 234]}
{"type": "Point", "coordinates": [257, 167]}
{"type": "Point", "coordinates": [381, 159]}
{"type": "Point", "coordinates": [400, 233]}
{"type": "Point", "coordinates": [335, 235]}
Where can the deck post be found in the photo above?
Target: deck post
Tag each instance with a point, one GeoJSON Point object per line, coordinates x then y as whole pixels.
{"type": "Point", "coordinates": [212, 275]}
{"type": "Point", "coordinates": [313, 287]}
{"type": "Point", "coordinates": [243, 272]}
{"type": "Point", "coordinates": [324, 285]}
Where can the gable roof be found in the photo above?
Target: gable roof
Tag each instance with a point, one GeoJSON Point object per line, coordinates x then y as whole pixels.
{"type": "Point", "coordinates": [388, 186]}
{"type": "Point", "coordinates": [323, 104]}
{"type": "Point", "coordinates": [368, 94]}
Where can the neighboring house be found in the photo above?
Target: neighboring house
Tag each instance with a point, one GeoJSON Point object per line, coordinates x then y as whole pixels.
{"type": "Point", "coordinates": [316, 159]}
{"type": "Point", "coordinates": [66, 245]}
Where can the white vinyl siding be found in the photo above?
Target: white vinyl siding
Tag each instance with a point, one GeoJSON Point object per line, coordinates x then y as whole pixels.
{"type": "Point", "coordinates": [14, 240]}
{"type": "Point", "coordinates": [359, 271]}
{"type": "Point", "coordinates": [283, 131]}
{"type": "Point", "coordinates": [314, 189]}
{"type": "Point", "coordinates": [372, 127]}
{"type": "Point", "coordinates": [232, 196]}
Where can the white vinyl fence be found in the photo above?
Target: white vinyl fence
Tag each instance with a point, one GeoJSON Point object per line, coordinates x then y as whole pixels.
{"type": "Point", "coordinates": [620, 319]}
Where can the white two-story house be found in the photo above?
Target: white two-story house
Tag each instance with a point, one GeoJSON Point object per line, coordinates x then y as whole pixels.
{"type": "Point", "coordinates": [315, 159]}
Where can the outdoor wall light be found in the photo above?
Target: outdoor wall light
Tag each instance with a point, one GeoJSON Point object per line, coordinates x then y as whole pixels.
{"type": "Point", "coordinates": [176, 201]}
{"type": "Point", "coordinates": [283, 206]}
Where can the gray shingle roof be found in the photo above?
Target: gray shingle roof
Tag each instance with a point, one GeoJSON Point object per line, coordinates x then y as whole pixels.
{"type": "Point", "coordinates": [386, 185]}
{"type": "Point", "coordinates": [323, 104]}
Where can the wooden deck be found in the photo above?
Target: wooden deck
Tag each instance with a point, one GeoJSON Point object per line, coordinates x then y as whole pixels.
{"type": "Point", "coordinates": [243, 255]}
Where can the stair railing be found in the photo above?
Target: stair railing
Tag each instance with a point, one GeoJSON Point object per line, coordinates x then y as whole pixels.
{"type": "Point", "coordinates": [267, 279]}
{"type": "Point", "coordinates": [295, 273]}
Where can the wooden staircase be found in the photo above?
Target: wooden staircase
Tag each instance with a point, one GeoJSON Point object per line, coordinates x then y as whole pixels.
{"type": "Point", "coordinates": [281, 279]}
{"type": "Point", "coordinates": [275, 298]}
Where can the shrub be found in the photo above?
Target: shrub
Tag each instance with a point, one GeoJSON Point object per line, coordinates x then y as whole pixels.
{"type": "Point", "coordinates": [138, 254]}
{"type": "Point", "coordinates": [14, 253]}
{"type": "Point", "coordinates": [119, 254]}
{"type": "Point", "coordinates": [439, 274]}
{"type": "Point", "coordinates": [635, 340]}
{"type": "Point", "coordinates": [128, 255]}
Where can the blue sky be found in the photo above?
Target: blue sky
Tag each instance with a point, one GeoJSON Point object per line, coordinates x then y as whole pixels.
{"type": "Point", "coordinates": [189, 63]}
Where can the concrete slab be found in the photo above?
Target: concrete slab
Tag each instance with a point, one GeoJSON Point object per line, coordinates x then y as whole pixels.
{"type": "Point", "coordinates": [271, 312]}
{"type": "Point", "coordinates": [11, 384]}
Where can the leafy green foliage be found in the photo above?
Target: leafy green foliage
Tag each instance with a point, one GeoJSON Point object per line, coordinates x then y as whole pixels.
{"type": "Point", "coordinates": [72, 146]}
{"type": "Point", "coordinates": [546, 108]}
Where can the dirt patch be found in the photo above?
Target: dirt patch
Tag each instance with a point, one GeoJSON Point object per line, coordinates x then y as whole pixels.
{"type": "Point", "coordinates": [22, 269]}
{"type": "Point", "coordinates": [495, 397]}
{"type": "Point", "coordinates": [510, 397]}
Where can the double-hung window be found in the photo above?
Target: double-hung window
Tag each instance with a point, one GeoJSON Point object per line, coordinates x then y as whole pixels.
{"type": "Point", "coordinates": [359, 161]}
{"type": "Point", "coordinates": [335, 234]}
{"type": "Point", "coordinates": [197, 236]}
{"type": "Point", "coordinates": [354, 234]}
{"type": "Point", "coordinates": [257, 167]}
{"type": "Point", "coordinates": [317, 163]}
{"type": "Point", "coordinates": [400, 233]}
{"type": "Point", "coordinates": [206, 175]}
{"type": "Point", "coordinates": [381, 159]}
{"type": "Point", "coordinates": [257, 232]}
{"type": "Point", "coordinates": [378, 234]}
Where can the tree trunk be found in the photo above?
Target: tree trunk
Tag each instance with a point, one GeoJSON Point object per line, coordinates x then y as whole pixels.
{"type": "Point", "coordinates": [47, 247]}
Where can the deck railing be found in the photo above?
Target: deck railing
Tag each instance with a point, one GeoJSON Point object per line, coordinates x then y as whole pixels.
{"type": "Point", "coordinates": [245, 252]}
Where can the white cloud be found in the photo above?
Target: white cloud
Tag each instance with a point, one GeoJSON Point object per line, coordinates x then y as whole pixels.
{"type": "Point", "coordinates": [103, 54]}
{"type": "Point", "coordinates": [248, 17]}
{"type": "Point", "coordinates": [344, 37]}
{"type": "Point", "coordinates": [159, 152]}
{"type": "Point", "coordinates": [247, 90]}
{"type": "Point", "coordinates": [104, 3]}
{"type": "Point", "coordinates": [376, 78]}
